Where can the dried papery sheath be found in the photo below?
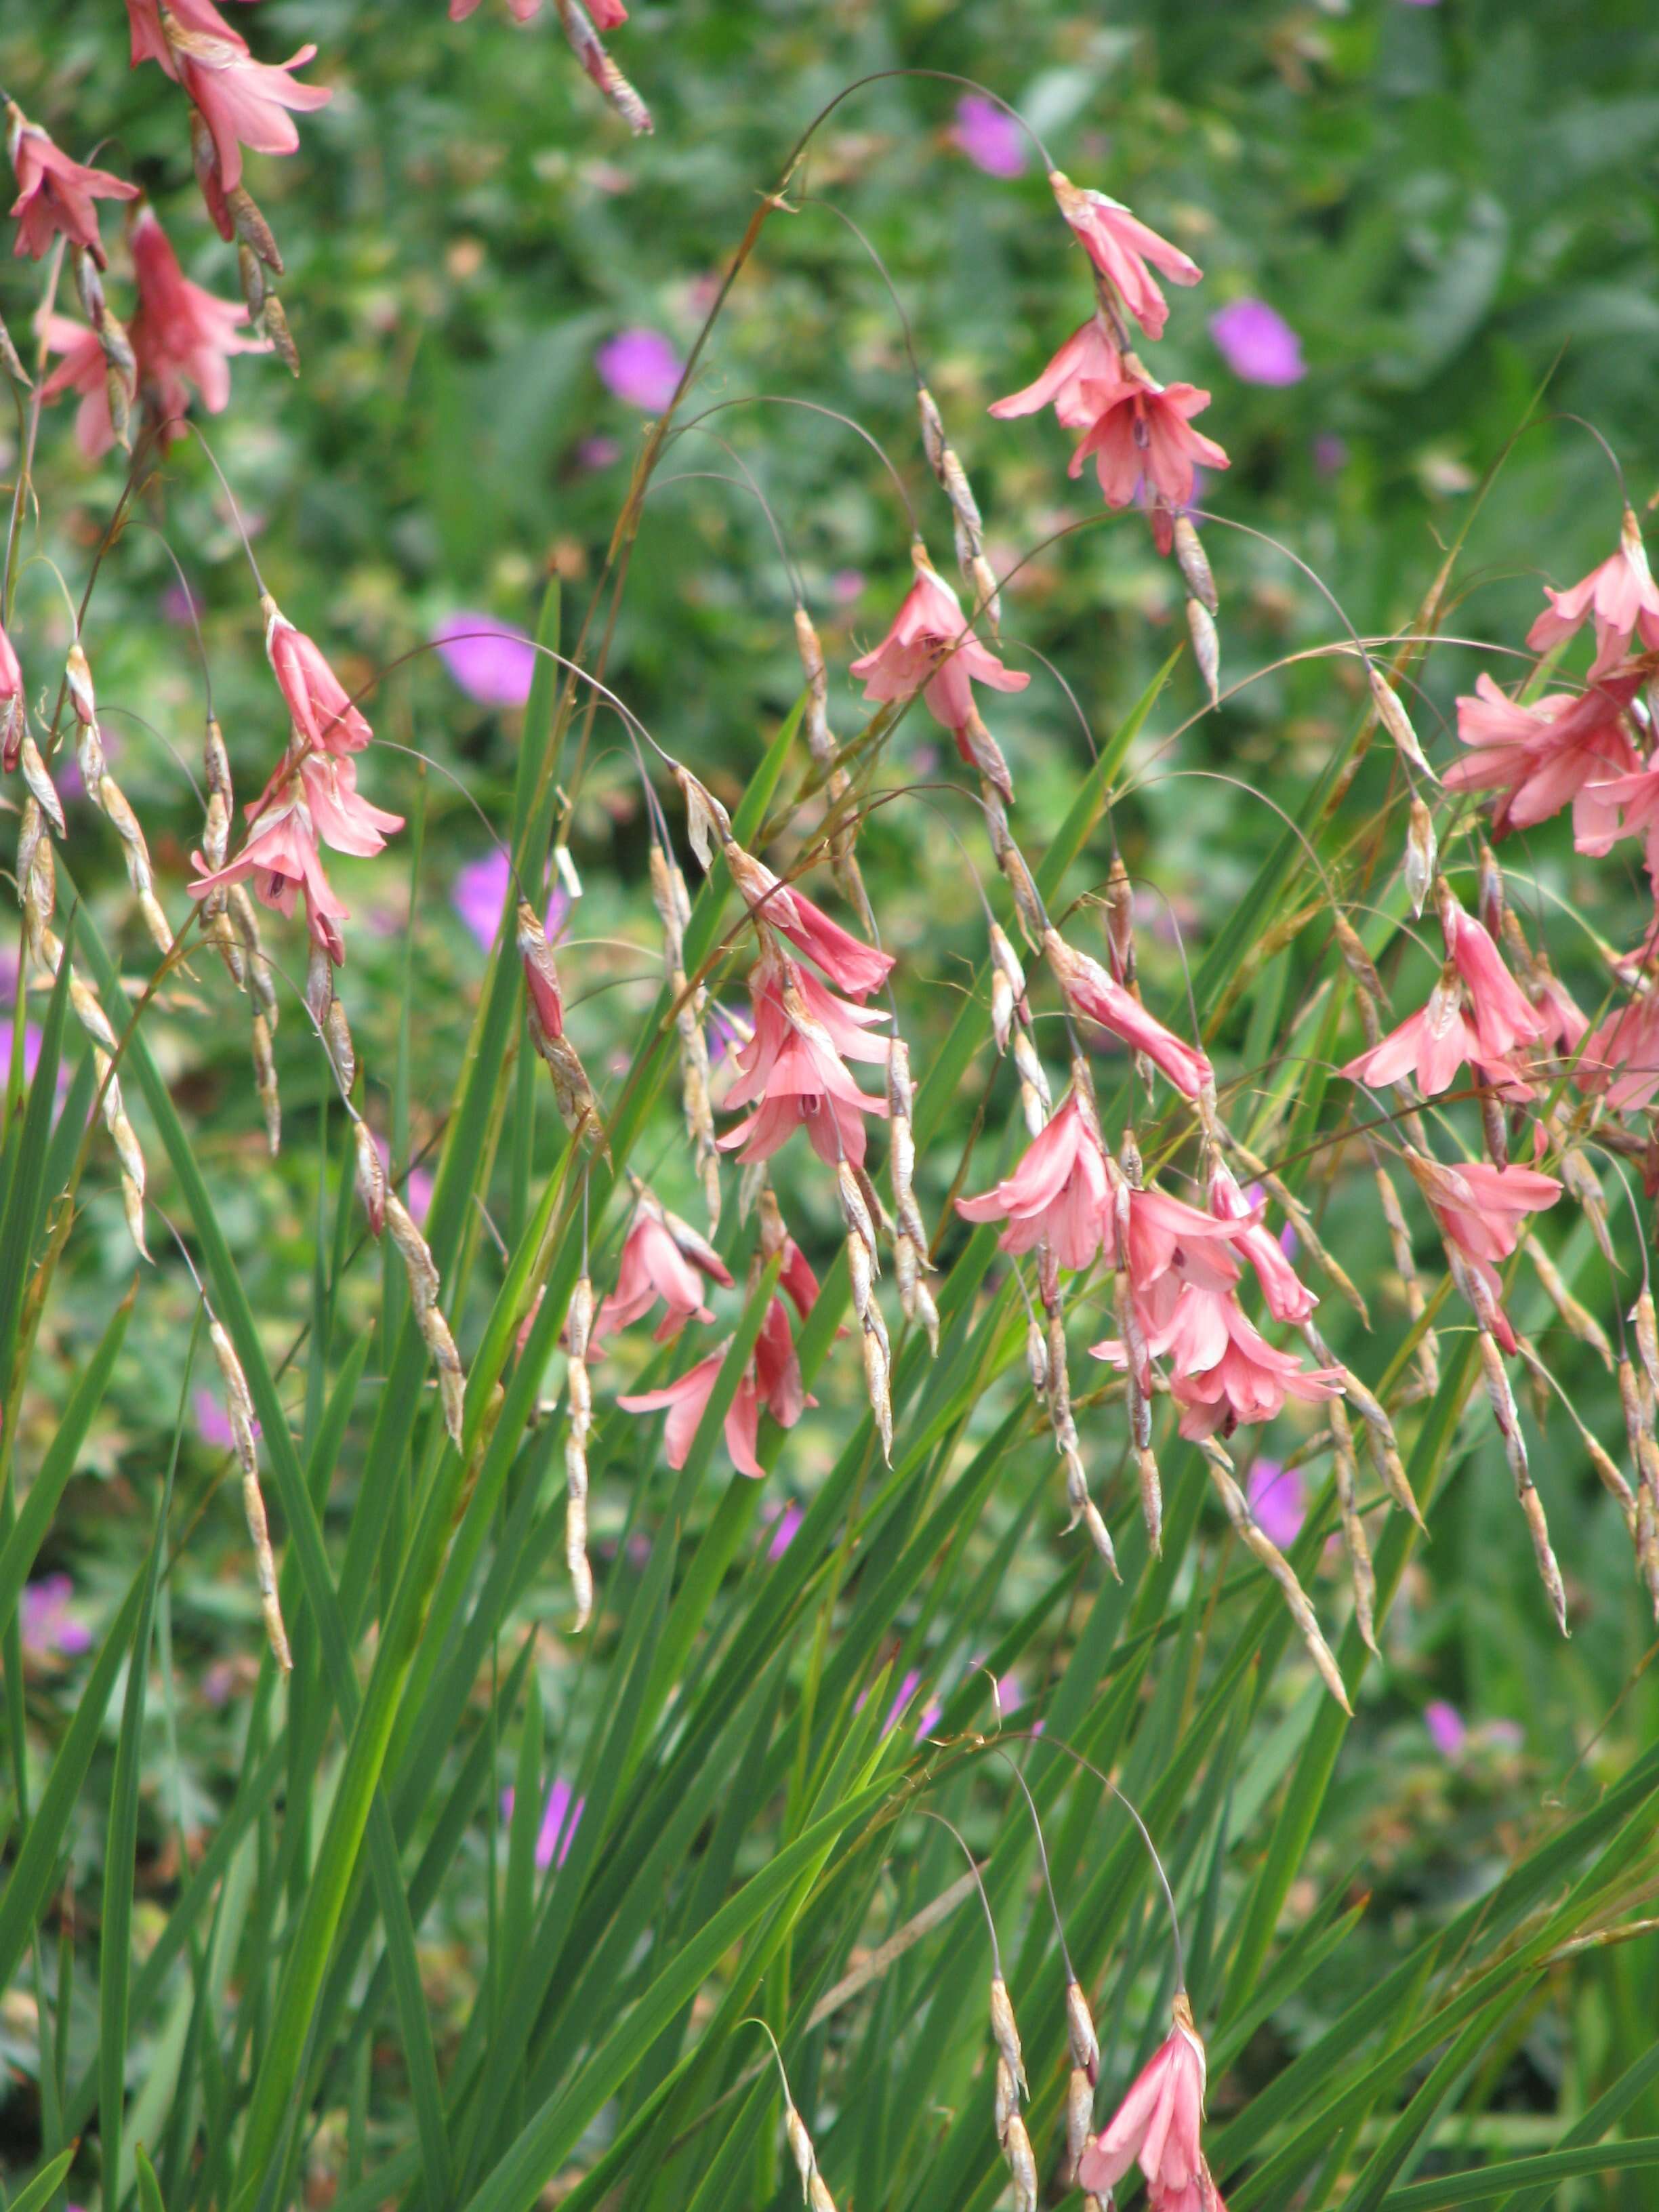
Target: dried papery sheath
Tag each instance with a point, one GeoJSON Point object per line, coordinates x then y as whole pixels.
{"type": "Point", "coordinates": [1422, 855]}
{"type": "Point", "coordinates": [1080, 2037]}
{"type": "Point", "coordinates": [1022, 2165]}
{"type": "Point", "coordinates": [1395, 721]}
{"type": "Point", "coordinates": [1007, 987]}
{"type": "Point", "coordinates": [1207, 647]}
{"type": "Point", "coordinates": [1380, 1441]}
{"type": "Point", "coordinates": [1360, 1572]}
{"type": "Point", "coordinates": [1079, 2120]}
{"type": "Point", "coordinates": [423, 1288]}
{"type": "Point", "coordinates": [1120, 925]}
{"type": "Point", "coordinates": [1647, 1348]}
{"type": "Point", "coordinates": [1194, 565]}
{"type": "Point", "coordinates": [371, 1177]}
{"type": "Point", "coordinates": [239, 1406]}
{"type": "Point", "coordinates": [706, 822]}
{"type": "Point", "coordinates": [672, 901]}
{"type": "Point", "coordinates": [1400, 1242]}
{"type": "Point", "coordinates": [1028, 905]}
{"type": "Point", "coordinates": [1005, 2098]}
{"type": "Point", "coordinates": [1357, 961]}
{"type": "Point", "coordinates": [1035, 1099]}
{"type": "Point", "coordinates": [1579, 1322]}
{"type": "Point", "coordinates": [1151, 1499]}
{"type": "Point", "coordinates": [1004, 2034]}
{"type": "Point", "coordinates": [1502, 1401]}
{"type": "Point", "coordinates": [1262, 1548]}
{"type": "Point", "coordinates": [577, 1328]}
{"type": "Point", "coordinates": [40, 782]}
{"type": "Point", "coordinates": [572, 1094]}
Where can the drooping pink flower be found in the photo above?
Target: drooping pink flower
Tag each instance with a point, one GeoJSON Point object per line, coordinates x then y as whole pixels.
{"type": "Point", "coordinates": [1092, 992]}
{"type": "Point", "coordinates": [991, 138]}
{"type": "Point", "coordinates": [182, 336]}
{"type": "Point", "coordinates": [851, 965]}
{"type": "Point", "coordinates": [1157, 2126]}
{"type": "Point", "coordinates": [1629, 807]}
{"type": "Point", "coordinates": [1257, 343]}
{"type": "Point", "coordinates": [1120, 246]}
{"type": "Point", "coordinates": [1142, 433]}
{"type": "Point", "coordinates": [1248, 1379]}
{"type": "Point", "coordinates": [343, 819]}
{"type": "Point", "coordinates": [1088, 356]}
{"type": "Point", "coordinates": [1431, 1046]}
{"type": "Point", "coordinates": [657, 1262]}
{"type": "Point", "coordinates": [1288, 1296]}
{"type": "Point", "coordinates": [1541, 756]}
{"type": "Point", "coordinates": [1619, 1057]}
{"type": "Point", "coordinates": [492, 661]}
{"type": "Point", "coordinates": [55, 196]}
{"type": "Point", "coordinates": [796, 1279]}
{"type": "Point", "coordinates": [150, 41]}
{"type": "Point", "coordinates": [641, 367]}
{"type": "Point", "coordinates": [281, 857]}
{"type": "Point", "coordinates": [1503, 1017]}
{"type": "Point", "coordinates": [1058, 1192]}
{"type": "Point", "coordinates": [931, 649]}
{"type": "Point", "coordinates": [1480, 1209]}
{"type": "Point", "coordinates": [1621, 595]}
{"type": "Point", "coordinates": [684, 1400]}
{"type": "Point", "coordinates": [82, 370]}
{"type": "Point", "coordinates": [317, 702]}
{"type": "Point", "coordinates": [775, 1372]}
{"type": "Point", "coordinates": [794, 1067]}
{"type": "Point", "coordinates": [242, 101]}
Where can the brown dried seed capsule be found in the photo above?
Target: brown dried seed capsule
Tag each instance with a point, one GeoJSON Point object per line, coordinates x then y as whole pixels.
{"type": "Point", "coordinates": [1395, 721]}
{"type": "Point", "coordinates": [1207, 647]}
{"type": "Point", "coordinates": [1194, 565]}
{"type": "Point", "coordinates": [1079, 2119]}
{"type": "Point", "coordinates": [1262, 1548]}
{"type": "Point", "coordinates": [1022, 2165]}
{"type": "Point", "coordinates": [1005, 2097]}
{"type": "Point", "coordinates": [1084, 2044]}
{"type": "Point", "coordinates": [1003, 2032]}
{"type": "Point", "coordinates": [1421, 857]}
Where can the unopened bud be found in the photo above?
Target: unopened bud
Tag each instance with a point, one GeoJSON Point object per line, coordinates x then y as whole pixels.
{"type": "Point", "coordinates": [1395, 721]}
{"type": "Point", "coordinates": [1422, 854]}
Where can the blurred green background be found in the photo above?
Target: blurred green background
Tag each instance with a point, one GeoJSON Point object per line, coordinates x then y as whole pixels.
{"type": "Point", "coordinates": [1452, 207]}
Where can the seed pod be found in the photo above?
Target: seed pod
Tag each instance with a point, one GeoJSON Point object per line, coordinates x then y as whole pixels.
{"type": "Point", "coordinates": [239, 1406]}
{"type": "Point", "coordinates": [1207, 647]}
{"type": "Point", "coordinates": [1428, 1355]}
{"type": "Point", "coordinates": [1005, 2097]}
{"type": "Point", "coordinates": [1152, 1500]}
{"type": "Point", "coordinates": [1006, 2035]}
{"type": "Point", "coordinates": [1396, 721]}
{"type": "Point", "coordinates": [1502, 1401]}
{"type": "Point", "coordinates": [1581, 1323]}
{"type": "Point", "coordinates": [1360, 1572]}
{"type": "Point", "coordinates": [265, 1077]}
{"type": "Point", "coordinates": [1647, 1346]}
{"type": "Point", "coordinates": [1422, 854]}
{"type": "Point", "coordinates": [877, 1389]}
{"type": "Point", "coordinates": [1022, 2165]}
{"type": "Point", "coordinates": [1028, 905]}
{"type": "Point", "coordinates": [1262, 1547]}
{"type": "Point", "coordinates": [1084, 2044]}
{"type": "Point", "coordinates": [1034, 1097]}
{"type": "Point", "coordinates": [40, 782]}
{"type": "Point", "coordinates": [1356, 960]}
{"type": "Point", "coordinates": [981, 749]}
{"type": "Point", "coordinates": [1120, 925]}
{"type": "Point", "coordinates": [706, 822]}
{"type": "Point", "coordinates": [1079, 2120]}
{"type": "Point", "coordinates": [1194, 565]}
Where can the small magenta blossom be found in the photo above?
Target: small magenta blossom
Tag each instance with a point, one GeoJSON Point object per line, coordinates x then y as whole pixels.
{"type": "Point", "coordinates": [50, 1628]}
{"type": "Point", "coordinates": [490, 660]}
{"type": "Point", "coordinates": [213, 1423]}
{"type": "Point", "coordinates": [1257, 343]}
{"type": "Point", "coordinates": [560, 1818]}
{"type": "Point", "coordinates": [484, 887]}
{"type": "Point", "coordinates": [1446, 1726]}
{"type": "Point", "coordinates": [1278, 1499]}
{"type": "Point", "coordinates": [642, 366]}
{"type": "Point", "coordinates": [986, 133]}
{"type": "Point", "coordinates": [786, 1522]}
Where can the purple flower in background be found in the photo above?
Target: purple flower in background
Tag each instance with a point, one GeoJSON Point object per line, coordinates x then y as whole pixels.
{"type": "Point", "coordinates": [1330, 453]}
{"type": "Point", "coordinates": [909, 1683]}
{"type": "Point", "coordinates": [214, 1423]}
{"type": "Point", "coordinates": [641, 367]}
{"type": "Point", "coordinates": [1447, 1726]}
{"type": "Point", "coordinates": [593, 454]}
{"type": "Point", "coordinates": [1276, 1498]}
{"type": "Point", "coordinates": [50, 1630]}
{"type": "Point", "coordinates": [481, 890]}
{"type": "Point", "coordinates": [492, 661]}
{"type": "Point", "coordinates": [31, 1042]}
{"type": "Point", "coordinates": [180, 604]}
{"type": "Point", "coordinates": [989, 135]}
{"type": "Point", "coordinates": [846, 585]}
{"type": "Point", "coordinates": [556, 1833]}
{"type": "Point", "coordinates": [787, 1519]}
{"type": "Point", "coordinates": [1257, 343]}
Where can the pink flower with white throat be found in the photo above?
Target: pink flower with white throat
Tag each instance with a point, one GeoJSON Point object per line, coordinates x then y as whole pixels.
{"type": "Point", "coordinates": [182, 336]}
{"type": "Point", "coordinates": [242, 101]}
{"type": "Point", "coordinates": [1121, 245]}
{"type": "Point", "coordinates": [1088, 356]}
{"type": "Point", "coordinates": [1142, 433]}
{"type": "Point", "coordinates": [55, 196]}
{"type": "Point", "coordinates": [281, 858]}
{"type": "Point", "coordinates": [1545, 755]}
{"type": "Point", "coordinates": [1288, 1296]}
{"type": "Point", "coordinates": [931, 648]}
{"type": "Point", "coordinates": [1156, 2127]}
{"type": "Point", "coordinates": [1620, 595]}
{"type": "Point", "coordinates": [1480, 1209]}
{"type": "Point", "coordinates": [319, 703]}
